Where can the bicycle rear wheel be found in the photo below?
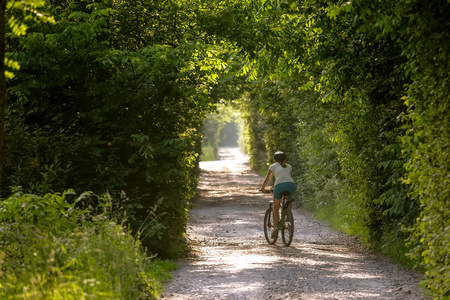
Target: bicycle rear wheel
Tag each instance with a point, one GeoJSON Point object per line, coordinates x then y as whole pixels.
{"type": "Point", "coordinates": [287, 232]}
{"type": "Point", "coordinates": [268, 227]}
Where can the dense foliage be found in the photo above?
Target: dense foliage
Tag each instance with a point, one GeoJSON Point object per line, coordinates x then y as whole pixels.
{"type": "Point", "coordinates": [59, 247]}
{"type": "Point", "coordinates": [427, 141]}
{"type": "Point", "coordinates": [357, 93]}
{"type": "Point", "coordinates": [112, 96]}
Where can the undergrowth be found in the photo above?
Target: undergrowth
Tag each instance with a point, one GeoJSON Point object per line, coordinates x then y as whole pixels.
{"type": "Point", "coordinates": [345, 213]}
{"type": "Point", "coordinates": [58, 247]}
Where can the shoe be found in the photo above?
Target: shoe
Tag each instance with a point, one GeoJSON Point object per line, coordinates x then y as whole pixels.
{"type": "Point", "coordinates": [275, 233]}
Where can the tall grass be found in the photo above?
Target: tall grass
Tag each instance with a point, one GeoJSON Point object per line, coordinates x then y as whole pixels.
{"type": "Point", "coordinates": [52, 248]}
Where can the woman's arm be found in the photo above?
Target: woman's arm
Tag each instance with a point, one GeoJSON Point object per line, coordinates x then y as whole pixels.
{"type": "Point", "coordinates": [266, 181]}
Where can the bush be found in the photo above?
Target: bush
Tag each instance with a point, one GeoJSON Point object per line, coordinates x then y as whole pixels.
{"type": "Point", "coordinates": [53, 248]}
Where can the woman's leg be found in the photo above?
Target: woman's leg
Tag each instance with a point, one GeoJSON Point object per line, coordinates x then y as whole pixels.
{"type": "Point", "coordinates": [276, 209]}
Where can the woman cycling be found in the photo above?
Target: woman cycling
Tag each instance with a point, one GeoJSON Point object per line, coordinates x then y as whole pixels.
{"type": "Point", "coordinates": [283, 182]}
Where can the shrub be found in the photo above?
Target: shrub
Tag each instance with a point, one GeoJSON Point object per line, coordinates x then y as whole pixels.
{"type": "Point", "coordinates": [53, 249]}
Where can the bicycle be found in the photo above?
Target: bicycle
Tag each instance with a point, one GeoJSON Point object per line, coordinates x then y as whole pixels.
{"type": "Point", "coordinates": [285, 222]}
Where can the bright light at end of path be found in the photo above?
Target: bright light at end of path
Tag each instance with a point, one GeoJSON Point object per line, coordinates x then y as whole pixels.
{"type": "Point", "coordinates": [230, 159]}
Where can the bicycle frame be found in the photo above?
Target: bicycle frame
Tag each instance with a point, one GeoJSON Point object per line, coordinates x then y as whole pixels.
{"type": "Point", "coordinates": [284, 206]}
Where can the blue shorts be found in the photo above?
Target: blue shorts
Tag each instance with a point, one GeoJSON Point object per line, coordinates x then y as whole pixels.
{"type": "Point", "coordinates": [283, 187]}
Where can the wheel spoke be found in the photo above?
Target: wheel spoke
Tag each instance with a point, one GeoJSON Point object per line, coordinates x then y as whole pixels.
{"type": "Point", "coordinates": [268, 227]}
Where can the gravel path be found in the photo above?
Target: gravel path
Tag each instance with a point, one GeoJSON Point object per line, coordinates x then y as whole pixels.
{"type": "Point", "coordinates": [230, 258]}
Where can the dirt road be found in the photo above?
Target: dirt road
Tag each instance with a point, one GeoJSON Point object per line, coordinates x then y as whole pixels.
{"type": "Point", "coordinates": [231, 259]}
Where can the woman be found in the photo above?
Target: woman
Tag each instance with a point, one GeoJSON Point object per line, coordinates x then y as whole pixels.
{"type": "Point", "coordinates": [283, 182]}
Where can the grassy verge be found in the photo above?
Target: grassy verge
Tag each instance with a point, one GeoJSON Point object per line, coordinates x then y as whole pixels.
{"type": "Point", "coordinates": [209, 153]}
{"type": "Point", "coordinates": [345, 213]}
{"type": "Point", "coordinates": [52, 248]}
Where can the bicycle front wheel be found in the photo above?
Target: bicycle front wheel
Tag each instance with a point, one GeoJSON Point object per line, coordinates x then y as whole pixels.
{"type": "Point", "coordinates": [287, 232]}
{"type": "Point", "coordinates": [269, 227]}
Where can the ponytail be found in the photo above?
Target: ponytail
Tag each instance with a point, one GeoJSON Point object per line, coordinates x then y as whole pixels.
{"type": "Point", "coordinates": [283, 164]}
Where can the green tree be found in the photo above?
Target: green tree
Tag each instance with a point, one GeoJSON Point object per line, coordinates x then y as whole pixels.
{"type": "Point", "coordinates": [425, 43]}
{"type": "Point", "coordinates": [3, 93]}
{"type": "Point", "coordinates": [355, 91]}
{"type": "Point", "coordinates": [19, 13]}
{"type": "Point", "coordinates": [381, 91]}
{"type": "Point", "coordinates": [122, 117]}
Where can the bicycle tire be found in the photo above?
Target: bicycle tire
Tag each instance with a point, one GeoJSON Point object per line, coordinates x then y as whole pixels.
{"type": "Point", "coordinates": [287, 232]}
{"type": "Point", "coordinates": [268, 226]}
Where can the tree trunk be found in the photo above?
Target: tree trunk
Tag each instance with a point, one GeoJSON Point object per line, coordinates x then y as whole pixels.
{"type": "Point", "coordinates": [2, 82]}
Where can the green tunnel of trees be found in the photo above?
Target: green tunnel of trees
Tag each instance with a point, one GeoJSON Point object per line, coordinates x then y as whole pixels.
{"type": "Point", "coordinates": [111, 96]}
